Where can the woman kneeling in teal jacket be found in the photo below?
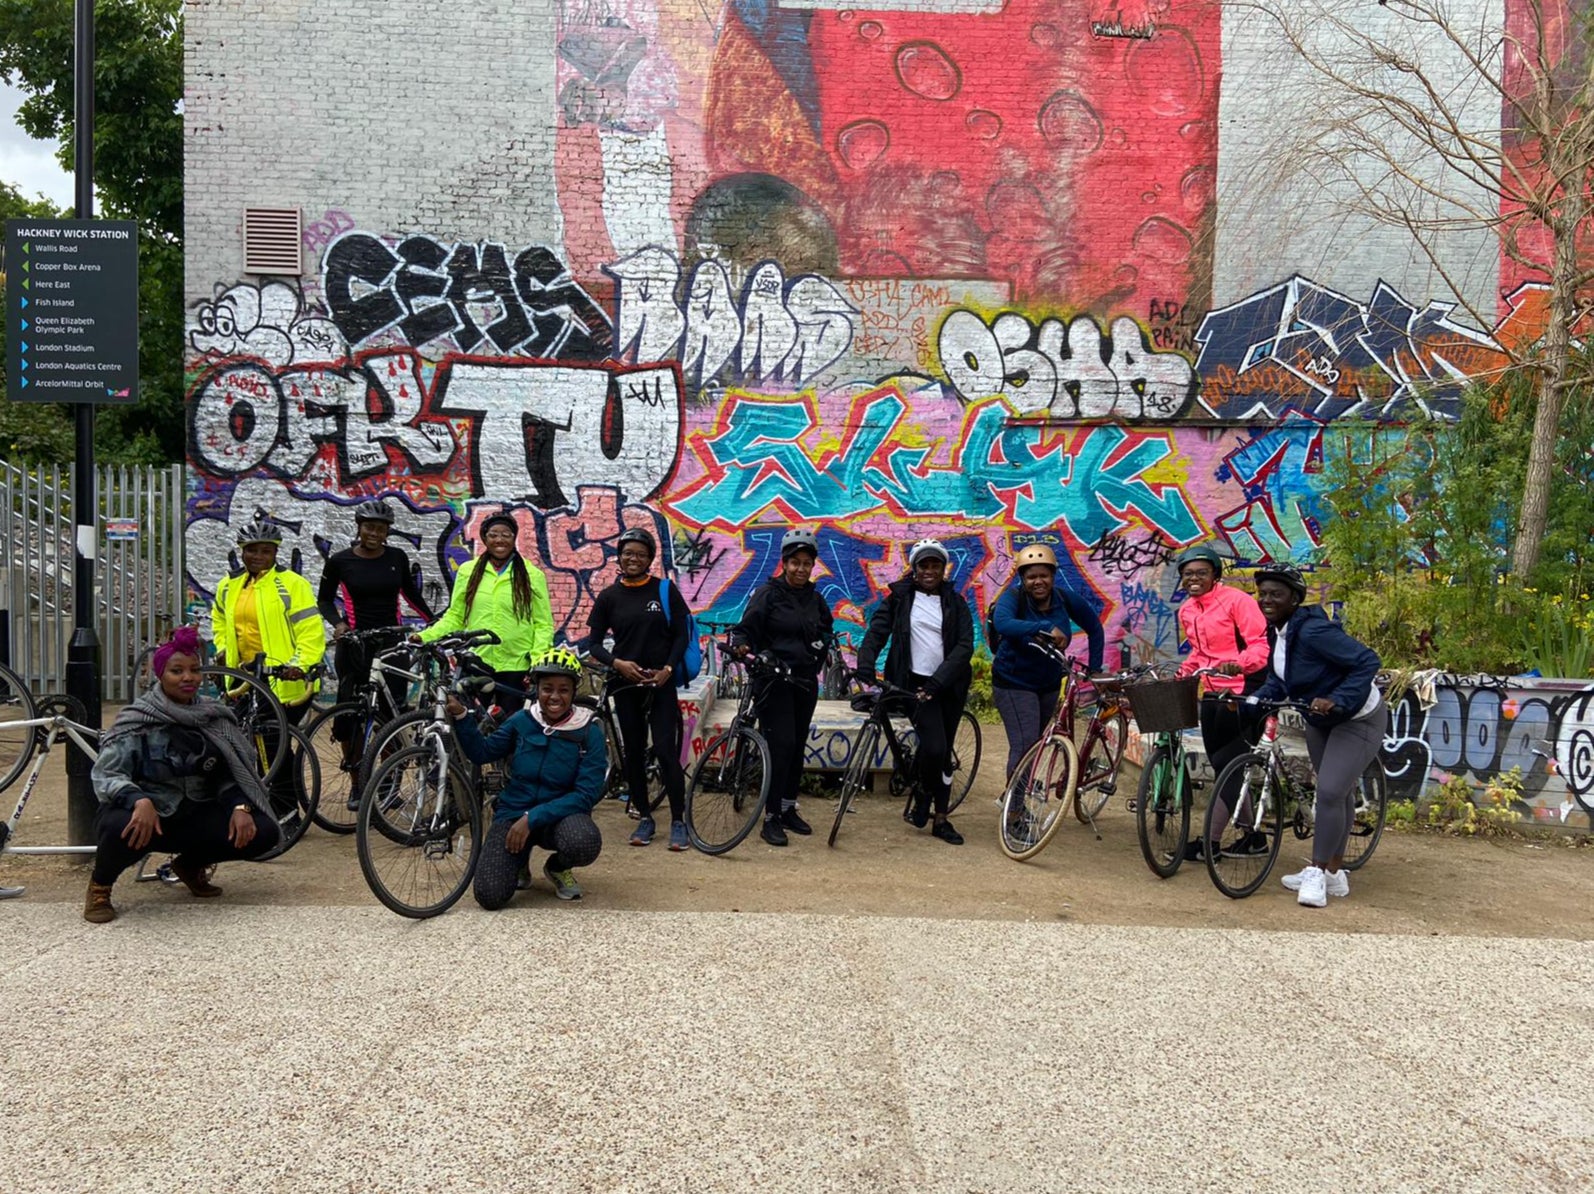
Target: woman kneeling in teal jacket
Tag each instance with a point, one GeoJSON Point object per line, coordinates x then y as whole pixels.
{"type": "Point", "coordinates": [557, 761]}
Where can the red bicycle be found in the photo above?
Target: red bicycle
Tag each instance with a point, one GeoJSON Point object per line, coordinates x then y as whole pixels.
{"type": "Point", "coordinates": [1074, 765]}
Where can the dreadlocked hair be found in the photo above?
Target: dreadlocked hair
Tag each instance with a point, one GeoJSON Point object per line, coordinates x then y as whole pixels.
{"type": "Point", "coordinates": [520, 582]}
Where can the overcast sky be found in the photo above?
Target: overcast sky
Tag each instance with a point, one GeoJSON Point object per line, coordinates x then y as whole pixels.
{"type": "Point", "coordinates": [26, 164]}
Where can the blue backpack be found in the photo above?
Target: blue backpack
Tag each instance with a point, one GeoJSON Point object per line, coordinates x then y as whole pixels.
{"type": "Point", "coordinates": [686, 671]}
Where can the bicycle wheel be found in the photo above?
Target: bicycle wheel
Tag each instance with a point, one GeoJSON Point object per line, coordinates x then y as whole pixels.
{"type": "Point", "coordinates": [387, 739]}
{"type": "Point", "coordinates": [1243, 843]}
{"type": "Point", "coordinates": [294, 817]}
{"type": "Point", "coordinates": [16, 741]}
{"type": "Point", "coordinates": [1367, 822]}
{"type": "Point", "coordinates": [418, 833]}
{"type": "Point", "coordinates": [339, 805]}
{"type": "Point", "coordinates": [727, 791]}
{"type": "Point", "coordinates": [966, 746]}
{"type": "Point", "coordinates": [258, 711]}
{"type": "Point", "coordinates": [1162, 812]}
{"type": "Point", "coordinates": [141, 677]}
{"type": "Point", "coordinates": [856, 778]}
{"type": "Point", "coordinates": [1037, 796]}
{"type": "Point", "coordinates": [1098, 765]}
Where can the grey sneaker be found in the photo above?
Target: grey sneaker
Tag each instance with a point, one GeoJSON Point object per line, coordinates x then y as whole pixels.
{"type": "Point", "coordinates": [564, 882]}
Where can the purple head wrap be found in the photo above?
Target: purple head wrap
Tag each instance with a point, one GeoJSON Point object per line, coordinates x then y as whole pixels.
{"type": "Point", "coordinates": [184, 641]}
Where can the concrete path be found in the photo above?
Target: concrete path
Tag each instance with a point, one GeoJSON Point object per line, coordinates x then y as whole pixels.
{"type": "Point", "coordinates": [566, 1048]}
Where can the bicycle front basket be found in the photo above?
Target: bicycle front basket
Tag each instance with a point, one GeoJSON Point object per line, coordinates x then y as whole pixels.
{"type": "Point", "coordinates": [1165, 705]}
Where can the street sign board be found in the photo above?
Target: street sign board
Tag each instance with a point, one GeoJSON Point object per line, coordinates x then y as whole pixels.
{"type": "Point", "coordinates": [123, 529]}
{"type": "Point", "coordinates": [71, 310]}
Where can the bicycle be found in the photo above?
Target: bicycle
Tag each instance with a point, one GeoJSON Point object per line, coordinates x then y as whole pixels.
{"type": "Point", "coordinates": [614, 781]}
{"type": "Point", "coordinates": [421, 812]}
{"type": "Point", "coordinates": [61, 717]}
{"type": "Point", "coordinates": [1270, 786]}
{"type": "Point", "coordinates": [835, 673]}
{"type": "Point", "coordinates": [1164, 707]}
{"type": "Point", "coordinates": [730, 782]}
{"type": "Point", "coordinates": [729, 674]}
{"type": "Point", "coordinates": [369, 706]}
{"type": "Point", "coordinates": [1057, 774]}
{"type": "Point", "coordinates": [965, 762]}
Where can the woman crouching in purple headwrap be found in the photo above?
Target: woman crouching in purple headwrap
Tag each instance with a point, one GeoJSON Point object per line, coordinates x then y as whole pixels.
{"type": "Point", "coordinates": [176, 774]}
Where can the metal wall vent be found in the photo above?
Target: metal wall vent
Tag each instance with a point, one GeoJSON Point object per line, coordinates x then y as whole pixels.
{"type": "Point", "coordinates": [272, 243]}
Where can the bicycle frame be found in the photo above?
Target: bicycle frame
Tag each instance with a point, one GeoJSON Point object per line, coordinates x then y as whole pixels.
{"type": "Point", "coordinates": [57, 727]}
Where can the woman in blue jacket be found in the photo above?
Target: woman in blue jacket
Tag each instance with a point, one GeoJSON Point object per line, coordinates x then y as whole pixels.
{"type": "Point", "coordinates": [1024, 681]}
{"type": "Point", "coordinates": [1315, 660]}
{"type": "Point", "coordinates": [557, 761]}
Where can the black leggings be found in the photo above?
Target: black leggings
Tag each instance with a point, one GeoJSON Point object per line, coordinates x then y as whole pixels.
{"type": "Point", "coordinates": [640, 713]}
{"type": "Point", "coordinates": [1228, 730]}
{"type": "Point", "coordinates": [785, 714]}
{"type": "Point", "coordinates": [574, 841]}
{"type": "Point", "coordinates": [935, 721]}
{"type": "Point", "coordinates": [352, 663]}
{"type": "Point", "coordinates": [197, 831]}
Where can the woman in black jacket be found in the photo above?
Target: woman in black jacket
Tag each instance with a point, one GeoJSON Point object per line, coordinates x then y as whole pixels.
{"type": "Point", "coordinates": [788, 618]}
{"type": "Point", "coordinates": [931, 630]}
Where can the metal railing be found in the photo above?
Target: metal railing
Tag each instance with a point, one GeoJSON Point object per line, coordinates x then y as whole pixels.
{"type": "Point", "coordinates": [138, 571]}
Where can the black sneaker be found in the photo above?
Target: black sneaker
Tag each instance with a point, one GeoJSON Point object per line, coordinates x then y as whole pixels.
{"type": "Point", "coordinates": [1196, 850]}
{"type": "Point", "coordinates": [947, 834]}
{"type": "Point", "coordinates": [919, 815]}
{"type": "Point", "coordinates": [795, 823]}
{"type": "Point", "coordinates": [773, 832]}
{"type": "Point", "coordinates": [1254, 842]}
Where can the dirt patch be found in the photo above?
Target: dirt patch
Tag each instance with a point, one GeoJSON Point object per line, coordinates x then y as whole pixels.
{"type": "Point", "coordinates": [1415, 884]}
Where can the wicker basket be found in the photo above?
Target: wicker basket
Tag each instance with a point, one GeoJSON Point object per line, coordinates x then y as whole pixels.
{"type": "Point", "coordinates": [1164, 705]}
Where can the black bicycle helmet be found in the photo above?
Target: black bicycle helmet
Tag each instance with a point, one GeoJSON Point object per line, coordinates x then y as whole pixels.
{"type": "Point", "coordinates": [1201, 551]}
{"type": "Point", "coordinates": [376, 510]}
{"type": "Point", "coordinates": [798, 539]}
{"type": "Point", "coordinates": [637, 535]}
{"type": "Point", "coordinates": [500, 519]}
{"type": "Point", "coordinates": [261, 530]}
{"type": "Point", "coordinates": [1285, 574]}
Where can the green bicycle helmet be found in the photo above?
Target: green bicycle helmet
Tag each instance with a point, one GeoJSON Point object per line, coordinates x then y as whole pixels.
{"type": "Point", "coordinates": [557, 661]}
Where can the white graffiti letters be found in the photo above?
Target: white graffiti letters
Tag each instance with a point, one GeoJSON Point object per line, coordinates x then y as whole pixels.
{"type": "Point", "coordinates": [1065, 371]}
{"type": "Point", "coordinates": [543, 430]}
{"type": "Point", "coordinates": [783, 332]}
{"type": "Point", "coordinates": [268, 323]}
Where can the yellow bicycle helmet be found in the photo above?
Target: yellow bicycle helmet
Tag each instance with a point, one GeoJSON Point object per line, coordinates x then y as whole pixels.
{"type": "Point", "coordinates": [557, 661]}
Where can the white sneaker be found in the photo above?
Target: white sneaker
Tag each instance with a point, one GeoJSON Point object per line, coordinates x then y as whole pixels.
{"type": "Point", "coordinates": [1314, 888]}
{"type": "Point", "coordinates": [1337, 882]}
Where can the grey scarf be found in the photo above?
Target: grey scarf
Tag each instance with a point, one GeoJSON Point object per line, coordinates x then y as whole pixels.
{"type": "Point", "coordinates": [215, 723]}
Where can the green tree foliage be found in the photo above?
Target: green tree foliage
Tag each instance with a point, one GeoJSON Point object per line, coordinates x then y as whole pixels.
{"type": "Point", "coordinates": [1420, 545]}
{"type": "Point", "coordinates": [30, 432]}
{"type": "Point", "coordinates": [138, 175]}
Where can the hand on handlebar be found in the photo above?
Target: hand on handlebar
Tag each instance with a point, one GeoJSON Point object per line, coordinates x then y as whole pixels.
{"type": "Point", "coordinates": [1322, 706]}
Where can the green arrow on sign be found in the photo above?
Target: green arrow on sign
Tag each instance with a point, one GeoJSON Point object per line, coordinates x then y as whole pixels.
{"type": "Point", "coordinates": [25, 265]}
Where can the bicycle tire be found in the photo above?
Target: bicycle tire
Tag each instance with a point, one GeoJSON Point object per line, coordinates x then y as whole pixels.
{"type": "Point", "coordinates": [1098, 766]}
{"type": "Point", "coordinates": [1037, 797]}
{"type": "Point", "coordinates": [306, 775]}
{"type": "Point", "coordinates": [1162, 812]}
{"type": "Point", "coordinates": [1367, 823]}
{"type": "Point", "coordinates": [1234, 872]}
{"type": "Point", "coordinates": [259, 712]}
{"type": "Point", "coordinates": [441, 820]}
{"type": "Point", "coordinates": [390, 737]}
{"type": "Point", "coordinates": [968, 742]}
{"type": "Point", "coordinates": [141, 676]}
{"type": "Point", "coordinates": [721, 808]}
{"type": "Point", "coordinates": [339, 780]}
{"type": "Point", "coordinates": [17, 744]}
{"type": "Point", "coordinates": [856, 777]}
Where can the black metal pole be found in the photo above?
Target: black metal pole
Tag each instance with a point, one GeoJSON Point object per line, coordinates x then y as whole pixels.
{"type": "Point", "coordinates": [83, 653]}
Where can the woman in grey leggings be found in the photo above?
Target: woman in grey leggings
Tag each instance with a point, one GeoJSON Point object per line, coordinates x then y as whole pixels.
{"type": "Point", "coordinates": [1313, 659]}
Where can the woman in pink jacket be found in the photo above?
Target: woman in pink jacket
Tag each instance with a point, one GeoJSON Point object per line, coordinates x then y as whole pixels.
{"type": "Point", "coordinates": [1227, 632]}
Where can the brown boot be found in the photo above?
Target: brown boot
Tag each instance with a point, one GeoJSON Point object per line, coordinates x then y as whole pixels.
{"type": "Point", "coordinates": [97, 908]}
{"type": "Point", "coordinates": [193, 878]}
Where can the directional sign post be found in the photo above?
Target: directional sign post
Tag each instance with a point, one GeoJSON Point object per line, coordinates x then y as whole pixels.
{"type": "Point", "coordinates": [71, 310]}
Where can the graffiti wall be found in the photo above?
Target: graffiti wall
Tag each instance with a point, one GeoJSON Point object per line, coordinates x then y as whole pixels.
{"type": "Point", "coordinates": [940, 269]}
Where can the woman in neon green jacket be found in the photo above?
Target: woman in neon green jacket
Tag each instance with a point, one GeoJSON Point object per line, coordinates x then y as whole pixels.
{"type": "Point", "coordinates": [499, 591]}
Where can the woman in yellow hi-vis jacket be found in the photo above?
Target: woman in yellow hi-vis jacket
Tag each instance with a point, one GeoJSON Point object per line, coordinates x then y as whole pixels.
{"type": "Point", "coordinates": [263, 609]}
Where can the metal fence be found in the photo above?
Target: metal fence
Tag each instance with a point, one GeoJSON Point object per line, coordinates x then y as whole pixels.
{"type": "Point", "coordinates": [138, 570]}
